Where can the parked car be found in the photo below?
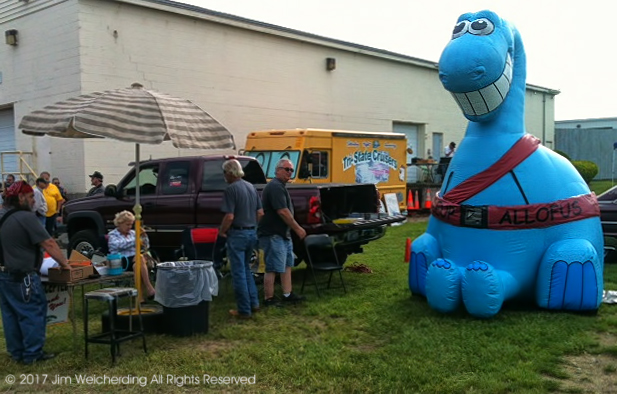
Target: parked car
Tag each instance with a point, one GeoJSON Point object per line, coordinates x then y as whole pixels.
{"type": "Point", "coordinates": [608, 216]}
{"type": "Point", "coordinates": [187, 192]}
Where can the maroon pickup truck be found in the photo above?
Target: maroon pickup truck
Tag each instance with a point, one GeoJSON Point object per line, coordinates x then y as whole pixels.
{"type": "Point", "coordinates": [187, 192]}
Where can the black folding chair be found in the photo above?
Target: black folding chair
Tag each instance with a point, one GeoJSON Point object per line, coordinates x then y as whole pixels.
{"type": "Point", "coordinates": [321, 256]}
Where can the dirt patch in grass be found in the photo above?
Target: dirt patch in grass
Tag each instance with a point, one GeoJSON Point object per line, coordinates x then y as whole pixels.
{"type": "Point", "coordinates": [215, 347]}
{"type": "Point", "coordinates": [590, 373]}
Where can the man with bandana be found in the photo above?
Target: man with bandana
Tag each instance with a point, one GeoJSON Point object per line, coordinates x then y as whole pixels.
{"type": "Point", "coordinates": [22, 298]}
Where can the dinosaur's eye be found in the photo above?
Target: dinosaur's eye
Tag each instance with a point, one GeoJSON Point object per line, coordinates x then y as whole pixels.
{"type": "Point", "coordinates": [460, 29]}
{"type": "Point", "coordinates": [481, 27]}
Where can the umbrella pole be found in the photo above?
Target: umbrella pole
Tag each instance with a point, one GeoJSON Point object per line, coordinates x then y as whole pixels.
{"type": "Point", "coordinates": [137, 211]}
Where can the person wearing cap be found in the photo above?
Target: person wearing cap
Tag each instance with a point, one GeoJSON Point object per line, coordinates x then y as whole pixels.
{"type": "Point", "coordinates": [40, 205]}
{"type": "Point", "coordinates": [23, 302]}
{"type": "Point", "coordinates": [54, 204]}
{"type": "Point", "coordinates": [96, 179]}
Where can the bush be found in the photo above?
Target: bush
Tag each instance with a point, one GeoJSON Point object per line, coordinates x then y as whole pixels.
{"type": "Point", "coordinates": [564, 154]}
{"type": "Point", "coordinates": [587, 169]}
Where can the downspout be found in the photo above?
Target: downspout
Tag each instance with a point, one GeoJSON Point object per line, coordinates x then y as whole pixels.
{"type": "Point", "coordinates": [544, 118]}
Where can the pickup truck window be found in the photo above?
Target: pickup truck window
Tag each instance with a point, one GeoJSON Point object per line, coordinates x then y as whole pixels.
{"type": "Point", "coordinates": [213, 174]}
{"type": "Point", "coordinates": [268, 160]}
{"type": "Point", "coordinates": [175, 178]}
{"type": "Point", "coordinates": [148, 177]}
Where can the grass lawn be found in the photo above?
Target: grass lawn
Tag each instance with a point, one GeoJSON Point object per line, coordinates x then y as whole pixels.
{"type": "Point", "coordinates": [600, 186]}
{"type": "Point", "coordinates": [375, 338]}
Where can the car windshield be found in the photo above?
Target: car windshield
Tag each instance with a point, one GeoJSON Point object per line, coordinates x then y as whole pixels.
{"type": "Point", "coordinates": [269, 159]}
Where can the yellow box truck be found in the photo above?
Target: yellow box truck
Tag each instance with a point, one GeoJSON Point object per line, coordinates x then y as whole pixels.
{"type": "Point", "coordinates": [335, 156]}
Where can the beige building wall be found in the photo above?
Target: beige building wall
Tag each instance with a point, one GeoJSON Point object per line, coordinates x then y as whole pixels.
{"type": "Point", "coordinates": [248, 76]}
{"type": "Point", "coordinates": [42, 69]}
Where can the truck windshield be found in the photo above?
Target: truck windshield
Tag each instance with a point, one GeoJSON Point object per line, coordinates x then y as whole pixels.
{"type": "Point", "coordinates": [268, 160]}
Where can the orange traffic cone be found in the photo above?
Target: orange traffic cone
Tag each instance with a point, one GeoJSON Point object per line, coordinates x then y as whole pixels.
{"type": "Point", "coordinates": [428, 203]}
{"type": "Point", "coordinates": [410, 206]}
{"type": "Point", "coordinates": [417, 200]}
{"type": "Point", "coordinates": [408, 250]}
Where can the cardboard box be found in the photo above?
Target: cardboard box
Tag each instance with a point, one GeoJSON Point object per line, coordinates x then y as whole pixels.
{"type": "Point", "coordinates": [81, 269]}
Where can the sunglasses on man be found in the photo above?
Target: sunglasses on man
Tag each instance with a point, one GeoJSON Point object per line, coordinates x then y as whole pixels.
{"type": "Point", "coordinates": [288, 169]}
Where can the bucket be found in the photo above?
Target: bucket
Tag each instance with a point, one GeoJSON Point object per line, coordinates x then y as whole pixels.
{"type": "Point", "coordinates": [116, 264]}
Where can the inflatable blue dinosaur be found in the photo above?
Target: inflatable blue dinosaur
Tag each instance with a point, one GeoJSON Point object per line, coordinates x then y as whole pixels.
{"type": "Point", "coordinates": [513, 220]}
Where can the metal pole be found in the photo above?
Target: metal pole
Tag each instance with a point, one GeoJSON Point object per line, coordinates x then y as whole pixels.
{"type": "Point", "coordinates": [137, 211]}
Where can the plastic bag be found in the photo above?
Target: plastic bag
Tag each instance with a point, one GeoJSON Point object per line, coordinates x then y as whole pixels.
{"type": "Point", "coordinates": [185, 283]}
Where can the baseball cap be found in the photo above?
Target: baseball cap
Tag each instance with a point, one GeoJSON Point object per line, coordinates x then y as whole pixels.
{"type": "Point", "coordinates": [97, 174]}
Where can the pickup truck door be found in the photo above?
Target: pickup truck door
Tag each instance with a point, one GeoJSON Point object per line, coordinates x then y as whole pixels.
{"type": "Point", "coordinates": [175, 208]}
{"type": "Point", "coordinates": [148, 179]}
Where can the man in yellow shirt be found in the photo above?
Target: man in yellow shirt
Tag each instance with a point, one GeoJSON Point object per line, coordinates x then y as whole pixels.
{"type": "Point", "coordinates": [54, 204]}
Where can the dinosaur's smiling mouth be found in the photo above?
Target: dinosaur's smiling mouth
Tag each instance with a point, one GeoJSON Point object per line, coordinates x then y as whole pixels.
{"type": "Point", "coordinates": [481, 102]}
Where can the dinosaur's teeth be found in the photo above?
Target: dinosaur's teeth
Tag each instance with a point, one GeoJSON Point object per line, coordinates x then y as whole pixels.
{"type": "Point", "coordinates": [492, 96]}
{"type": "Point", "coordinates": [488, 98]}
{"type": "Point", "coordinates": [463, 102]}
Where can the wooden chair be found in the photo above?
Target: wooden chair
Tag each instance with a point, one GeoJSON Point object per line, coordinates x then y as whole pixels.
{"type": "Point", "coordinates": [321, 256]}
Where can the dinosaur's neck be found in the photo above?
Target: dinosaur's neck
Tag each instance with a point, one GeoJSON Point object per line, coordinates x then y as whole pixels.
{"type": "Point", "coordinates": [511, 116]}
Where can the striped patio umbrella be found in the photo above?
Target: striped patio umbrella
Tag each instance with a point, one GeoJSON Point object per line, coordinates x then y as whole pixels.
{"type": "Point", "coordinates": [135, 115]}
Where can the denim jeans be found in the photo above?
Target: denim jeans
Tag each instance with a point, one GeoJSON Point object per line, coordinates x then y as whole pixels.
{"type": "Point", "coordinates": [240, 246]}
{"type": "Point", "coordinates": [24, 316]}
{"type": "Point", "coordinates": [50, 224]}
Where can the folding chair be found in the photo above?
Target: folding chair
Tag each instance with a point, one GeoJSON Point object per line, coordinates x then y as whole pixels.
{"type": "Point", "coordinates": [319, 259]}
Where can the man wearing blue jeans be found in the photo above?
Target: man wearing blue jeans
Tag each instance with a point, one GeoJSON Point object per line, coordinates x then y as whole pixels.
{"type": "Point", "coordinates": [22, 297]}
{"type": "Point", "coordinates": [275, 235]}
{"type": "Point", "coordinates": [242, 208]}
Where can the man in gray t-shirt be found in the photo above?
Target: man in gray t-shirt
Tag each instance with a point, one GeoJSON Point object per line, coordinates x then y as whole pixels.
{"type": "Point", "coordinates": [242, 208]}
{"type": "Point", "coordinates": [22, 298]}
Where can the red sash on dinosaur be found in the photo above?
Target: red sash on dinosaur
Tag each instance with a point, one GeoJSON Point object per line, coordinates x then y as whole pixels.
{"type": "Point", "coordinates": [449, 209]}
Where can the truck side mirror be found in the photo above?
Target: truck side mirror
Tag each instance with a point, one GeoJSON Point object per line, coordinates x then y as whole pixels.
{"type": "Point", "coordinates": [111, 190]}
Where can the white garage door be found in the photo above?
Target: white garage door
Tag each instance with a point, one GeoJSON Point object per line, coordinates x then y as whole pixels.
{"type": "Point", "coordinates": [411, 131]}
{"type": "Point", "coordinates": [7, 140]}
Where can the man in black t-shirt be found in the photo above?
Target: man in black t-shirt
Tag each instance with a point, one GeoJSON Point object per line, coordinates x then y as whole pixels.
{"type": "Point", "coordinates": [22, 297]}
{"type": "Point", "coordinates": [275, 235]}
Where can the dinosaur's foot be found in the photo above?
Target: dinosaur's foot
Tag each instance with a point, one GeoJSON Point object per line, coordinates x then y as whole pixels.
{"type": "Point", "coordinates": [482, 289]}
{"type": "Point", "coordinates": [423, 250]}
{"type": "Point", "coordinates": [443, 286]}
{"type": "Point", "coordinates": [570, 277]}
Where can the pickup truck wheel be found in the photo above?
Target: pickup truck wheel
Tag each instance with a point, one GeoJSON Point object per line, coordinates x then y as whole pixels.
{"type": "Point", "coordinates": [84, 241]}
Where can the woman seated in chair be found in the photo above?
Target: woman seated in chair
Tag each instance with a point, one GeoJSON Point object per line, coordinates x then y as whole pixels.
{"type": "Point", "coordinates": [122, 241]}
